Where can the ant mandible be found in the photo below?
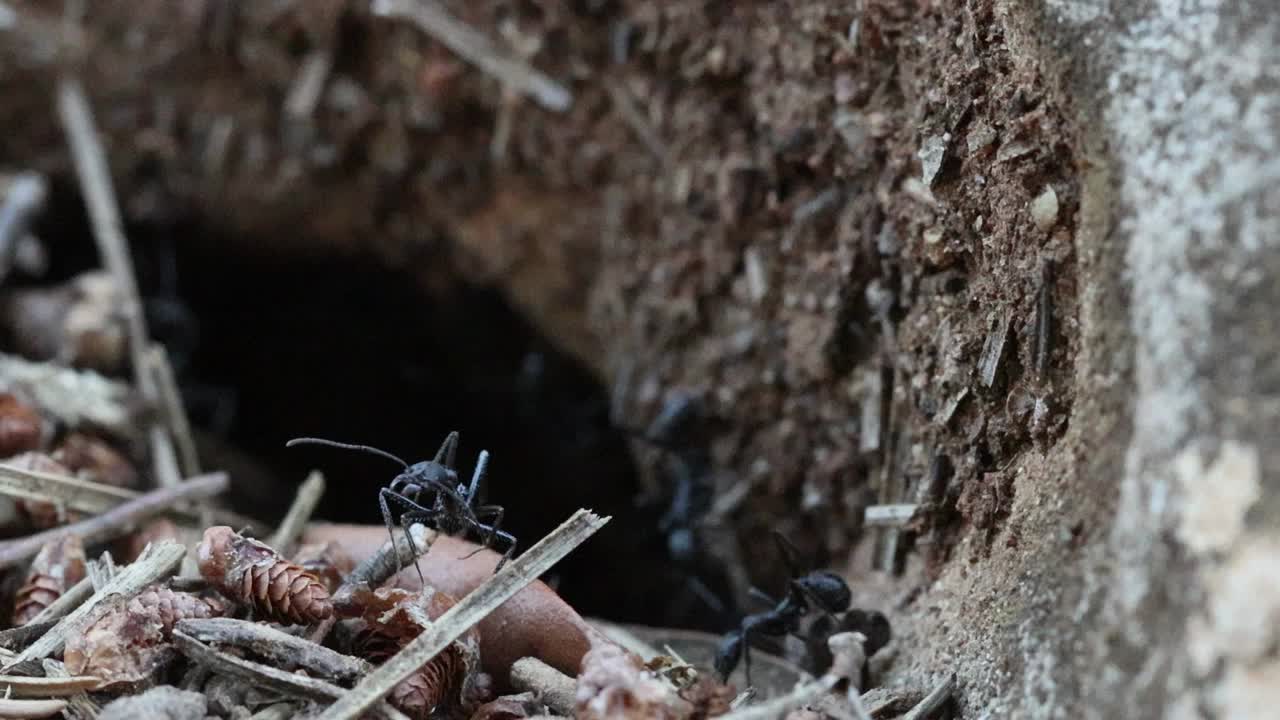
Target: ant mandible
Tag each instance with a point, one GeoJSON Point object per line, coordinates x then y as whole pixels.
{"type": "Point", "coordinates": [452, 510]}
{"type": "Point", "coordinates": [822, 590]}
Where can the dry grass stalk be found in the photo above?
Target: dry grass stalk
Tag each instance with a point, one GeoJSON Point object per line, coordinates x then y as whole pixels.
{"type": "Point", "coordinates": [280, 648]}
{"type": "Point", "coordinates": [476, 49]}
{"type": "Point", "coordinates": [79, 705]}
{"type": "Point", "coordinates": [265, 676]}
{"type": "Point", "coordinates": [461, 617]}
{"type": "Point", "coordinates": [104, 213]}
{"type": "Point", "coordinates": [46, 687]}
{"type": "Point", "coordinates": [157, 562]}
{"type": "Point", "coordinates": [933, 700]}
{"type": "Point", "coordinates": [304, 504]}
{"type": "Point", "coordinates": [72, 492]}
{"type": "Point", "coordinates": [175, 413]}
{"type": "Point", "coordinates": [117, 521]}
{"type": "Point", "coordinates": [25, 709]}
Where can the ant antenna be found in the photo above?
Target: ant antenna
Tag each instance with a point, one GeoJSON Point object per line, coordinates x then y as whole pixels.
{"type": "Point", "coordinates": [346, 446]}
{"type": "Point", "coordinates": [788, 552]}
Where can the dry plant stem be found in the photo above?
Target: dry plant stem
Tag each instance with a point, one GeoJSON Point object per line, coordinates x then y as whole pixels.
{"type": "Point", "coordinates": [461, 617]}
{"type": "Point", "coordinates": [74, 493]}
{"type": "Point", "coordinates": [379, 567]}
{"type": "Point", "coordinates": [265, 676]}
{"type": "Point", "coordinates": [175, 413]}
{"type": "Point", "coordinates": [434, 20]}
{"type": "Point", "coordinates": [553, 688]}
{"type": "Point", "coordinates": [156, 562]}
{"type": "Point", "coordinates": [304, 504]}
{"type": "Point", "coordinates": [23, 709]}
{"type": "Point", "coordinates": [281, 648]}
{"type": "Point", "coordinates": [25, 687]}
{"type": "Point", "coordinates": [104, 213]}
{"type": "Point", "coordinates": [933, 700]}
{"type": "Point", "coordinates": [116, 521]}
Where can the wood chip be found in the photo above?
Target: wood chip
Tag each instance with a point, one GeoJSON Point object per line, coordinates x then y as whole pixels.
{"type": "Point", "coordinates": [25, 709]}
{"type": "Point", "coordinates": [889, 515]}
{"type": "Point", "coordinates": [46, 687]}
{"type": "Point", "coordinates": [281, 648]}
{"type": "Point", "coordinates": [993, 351]}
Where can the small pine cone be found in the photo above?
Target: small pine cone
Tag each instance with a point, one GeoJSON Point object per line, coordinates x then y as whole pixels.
{"type": "Point", "coordinates": [21, 428]}
{"type": "Point", "coordinates": [393, 617]}
{"type": "Point", "coordinates": [126, 640]}
{"type": "Point", "coordinates": [41, 513]}
{"type": "Point", "coordinates": [59, 565]}
{"type": "Point", "coordinates": [252, 573]}
{"type": "Point", "coordinates": [129, 547]}
{"type": "Point", "coordinates": [435, 684]}
{"type": "Point", "coordinates": [93, 459]}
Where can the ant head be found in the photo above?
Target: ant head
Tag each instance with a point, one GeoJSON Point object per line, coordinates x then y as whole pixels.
{"type": "Point", "coordinates": [827, 589]}
{"type": "Point", "coordinates": [431, 473]}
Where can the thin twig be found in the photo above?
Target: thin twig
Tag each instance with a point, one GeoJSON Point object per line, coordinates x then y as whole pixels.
{"type": "Point", "coordinates": [389, 559]}
{"type": "Point", "coordinates": [24, 687]}
{"type": "Point", "coordinates": [117, 521]}
{"type": "Point", "coordinates": [304, 504]}
{"type": "Point", "coordinates": [462, 39]}
{"type": "Point", "coordinates": [74, 493]}
{"type": "Point", "coordinates": [280, 648]}
{"type": "Point", "coordinates": [552, 687]}
{"type": "Point", "coordinates": [259, 675]}
{"type": "Point", "coordinates": [175, 413]}
{"type": "Point", "coordinates": [104, 213]}
{"type": "Point", "coordinates": [933, 700]}
{"type": "Point", "coordinates": [156, 562]}
{"type": "Point", "coordinates": [308, 84]}
{"type": "Point", "coordinates": [30, 709]}
{"type": "Point", "coordinates": [461, 617]}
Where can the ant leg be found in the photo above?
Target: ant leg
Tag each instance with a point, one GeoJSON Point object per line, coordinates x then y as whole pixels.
{"type": "Point", "coordinates": [448, 450]}
{"type": "Point", "coordinates": [414, 510]}
{"type": "Point", "coordinates": [746, 655]}
{"type": "Point", "coordinates": [728, 652]}
{"type": "Point", "coordinates": [511, 548]}
{"type": "Point", "coordinates": [493, 511]}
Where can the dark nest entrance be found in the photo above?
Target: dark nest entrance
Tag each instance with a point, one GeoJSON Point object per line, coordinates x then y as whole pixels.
{"type": "Point", "coordinates": [340, 346]}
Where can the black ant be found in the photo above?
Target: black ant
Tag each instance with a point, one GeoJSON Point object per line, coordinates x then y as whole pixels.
{"type": "Point", "coordinates": [451, 510]}
{"type": "Point", "coordinates": [822, 590]}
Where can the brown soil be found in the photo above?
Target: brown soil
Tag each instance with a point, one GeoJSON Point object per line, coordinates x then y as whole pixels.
{"type": "Point", "coordinates": [816, 219]}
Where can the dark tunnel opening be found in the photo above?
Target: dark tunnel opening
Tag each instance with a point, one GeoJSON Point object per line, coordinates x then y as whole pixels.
{"type": "Point", "coordinates": [342, 347]}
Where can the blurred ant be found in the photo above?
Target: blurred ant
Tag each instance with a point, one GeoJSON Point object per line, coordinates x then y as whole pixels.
{"type": "Point", "coordinates": [678, 432]}
{"type": "Point", "coordinates": [452, 510]}
{"type": "Point", "coordinates": [822, 590]}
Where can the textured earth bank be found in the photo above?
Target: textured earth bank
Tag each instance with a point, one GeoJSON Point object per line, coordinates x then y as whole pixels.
{"type": "Point", "coordinates": [1015, 261]}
